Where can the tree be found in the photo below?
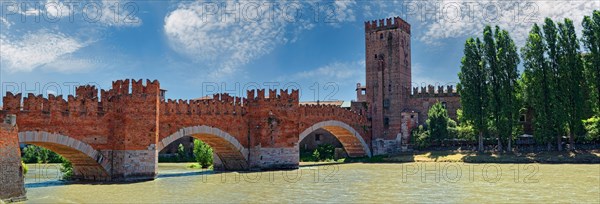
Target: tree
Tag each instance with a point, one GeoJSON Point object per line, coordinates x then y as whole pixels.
{"type": "Point", "coordinates": [508, 60]}
{"type": "Point", "coordinates": [501, 59]}
{"type": "Point", "coordinates": [473, 88]}
{"type": "Point", "coordinates": [437, 122]}
{"type": "Point", "coordinates": [203, 153]}
{"type": "Point", "coordinates": [495, 81]}
{"type": "Point", "coordinates": [421, 137]}
{"type": "Point", "coordinates": [538, 79]}
{"type": "Point", "coordinates": [570, 71]}
{"type": "Point", "coordinates": [553, 51]}
{"type": "Point", "coordinates": [591, 41]}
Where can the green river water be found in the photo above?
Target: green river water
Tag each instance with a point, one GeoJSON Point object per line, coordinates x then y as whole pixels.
{"type": "Point", "coordinates": [340, 183]}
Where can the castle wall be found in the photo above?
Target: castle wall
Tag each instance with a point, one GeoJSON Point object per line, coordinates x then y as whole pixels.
{"type": "Point", "coordinates": [12, 186]}
{"type": "Point", "coordinates": [424, 98]}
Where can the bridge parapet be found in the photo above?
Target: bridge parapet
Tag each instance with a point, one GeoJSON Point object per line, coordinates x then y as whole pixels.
{"type": "Point", "coordinates": [85, 101]}
{"type": "Point", "coordinates": [284, 96]}
{"type": "Point", "coordinates": [220, 104]}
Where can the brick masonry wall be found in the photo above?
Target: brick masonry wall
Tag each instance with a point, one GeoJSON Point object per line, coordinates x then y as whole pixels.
{"type": "Point", "coordinates": [120, 132]}
{"type": "Point", "coordinates": [12, 187]}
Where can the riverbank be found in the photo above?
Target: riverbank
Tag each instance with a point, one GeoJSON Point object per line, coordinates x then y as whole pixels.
{"type": "Point", "coordinates": [573, 157]}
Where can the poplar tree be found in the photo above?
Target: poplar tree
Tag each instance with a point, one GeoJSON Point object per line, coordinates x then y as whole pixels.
{"type": "Point", "coordinates": [570, 71]}
{"type": "Point", "coordinates": [474, 87]}
{"type": "Point", "coordinates": [591, 41]}
{"type": "Point", "coordinates": [508, 60]}
{"type": "Point", "coordinates": [495, 81]}
{"type": "Point", "coordinates": [551, 37]}
{"type": "Point", "coordinates": [539, 79]}
{"type": "Point", "coordinates": [501, 58]}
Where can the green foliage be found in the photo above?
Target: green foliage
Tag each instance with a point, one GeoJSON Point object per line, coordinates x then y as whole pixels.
{"type": "Point", "coordinates": [203, 153]}
{"type": "Point", "coordinates": [571, 78]}
{"type": "Point", "coordinates": [474, 86]}
{"type": "Point", "coordinates": [421, 137]}
{"type": "Point", "coordinates": [25, 167]}
{"type": "Point", "coordinates": [592, 126]}
{"type": "Point", "coordinates": [323, 152]}
{"type": "Point", "coordinates": [466, 132]}
{"type": "Point", "coordinates": [591, 41]}
{"type": "Point", "coordinates": [35, 154]}
{"type": "Point", "coordinates": [437, 122]}
{"type": "Point", "coordinates": [501, 59]}
{"type": "Point", "coordinates": [539, 84]}
{"type": "Point", "coordinates": [316, 155]}
{"type": "Point", "coordinates": [67, 169]}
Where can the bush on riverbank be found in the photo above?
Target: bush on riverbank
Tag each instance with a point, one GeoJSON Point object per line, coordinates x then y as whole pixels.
{"type": "Point", "coordinates": [323, 152]}
{"type": "Point", "coordinates": [66, 168]}
{"type": "Point", "coordinates": [203, 154]}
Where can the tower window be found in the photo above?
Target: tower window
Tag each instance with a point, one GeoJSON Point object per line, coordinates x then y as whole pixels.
{"type": "Point", "coordinates": [375, 56]}
{"type": "Point", "coordinates": [381, 36]}
{"type": "Point", "coordinates": [386, 122]}
{"type": "Point", "coordinates": [317, 137]}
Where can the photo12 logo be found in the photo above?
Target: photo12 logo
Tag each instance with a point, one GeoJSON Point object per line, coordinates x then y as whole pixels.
{"type": "Point", "coordinates": [114, 12]}
{"type": "Point", "coordinates": [455, 172]}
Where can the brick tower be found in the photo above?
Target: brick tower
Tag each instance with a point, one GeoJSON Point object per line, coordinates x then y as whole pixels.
{"type": "Point", "coordinates": [388, 73]}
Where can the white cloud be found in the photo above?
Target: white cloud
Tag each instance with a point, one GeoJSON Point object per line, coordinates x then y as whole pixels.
{"type": "Point", "coordinates": [55, 8]}
{"type": "Point", "coordinates": [32, 12]}
{"type": "Point", "coordinates": [125, 16]}
{"type": "Point", "coordinates": [227, 44]}
{"type": "Point", "coordinates": [5, 22]}
{"type": "Point", "coordinates": [35, 49]}
{"type": "Point", "coordinates": [515, 16]}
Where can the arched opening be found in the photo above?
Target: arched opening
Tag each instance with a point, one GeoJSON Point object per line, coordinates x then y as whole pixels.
{"type": "Point", "coordinates": [88, 164]}
{"type": "Point", "coordinates": [352, 142]}
{"type": "Point", "coordinates": [229, 152]}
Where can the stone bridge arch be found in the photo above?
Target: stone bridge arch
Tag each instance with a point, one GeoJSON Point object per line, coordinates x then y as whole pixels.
{"type": "Point", "coordinates": [353, 142]}
{"type": "Point", "coordinates": [88, 163]}
{"type": "Point", "coordinates": [230, 152]}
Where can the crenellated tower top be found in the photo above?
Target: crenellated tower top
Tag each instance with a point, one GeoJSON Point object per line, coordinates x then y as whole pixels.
{"type": "Point", "coordinates": [389, 23]}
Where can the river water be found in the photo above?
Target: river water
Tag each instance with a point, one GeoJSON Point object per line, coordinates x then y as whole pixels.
{"type": "Point", "coordinates": [339, 183]}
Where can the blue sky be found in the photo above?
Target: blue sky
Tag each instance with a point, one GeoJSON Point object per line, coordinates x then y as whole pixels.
{"type": "Point", "coordinates": [195, 48]}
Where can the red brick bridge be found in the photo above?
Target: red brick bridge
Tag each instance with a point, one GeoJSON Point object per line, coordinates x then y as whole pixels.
{"type": "Point", "coordinates": [117, 136]}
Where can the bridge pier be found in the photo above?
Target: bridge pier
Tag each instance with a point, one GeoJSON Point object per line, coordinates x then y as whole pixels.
{"type": "Point", "coordinates": [133, 165]}
{"type": "Point", "coordinates": [270, 158]}
{"type": "Point", "coordinates": [12, 186]}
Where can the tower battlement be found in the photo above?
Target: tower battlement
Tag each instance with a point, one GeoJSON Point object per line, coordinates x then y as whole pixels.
{"type": "Point", "coordinates": [283, 96]}
{"type": "Point", "coordinates": [388, 23]}
{"type": "Point", "coordinates": [433, 91]}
